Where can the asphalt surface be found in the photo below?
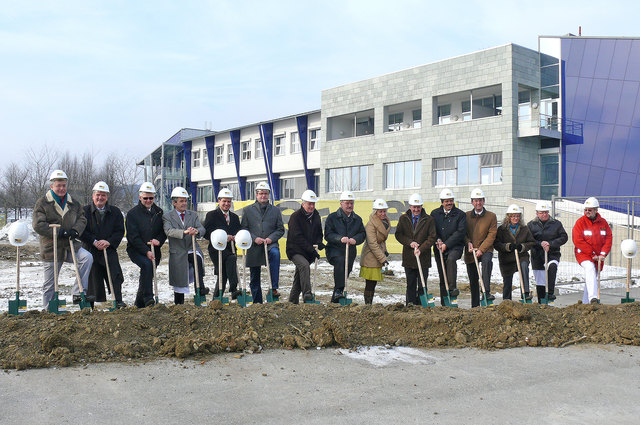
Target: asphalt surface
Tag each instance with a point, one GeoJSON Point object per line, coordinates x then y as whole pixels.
{"type": "Point", "coordinates": [575, 385]}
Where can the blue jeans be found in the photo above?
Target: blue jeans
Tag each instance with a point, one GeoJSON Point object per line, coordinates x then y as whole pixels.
{"type": "Point", "coordinates": [274, 265]}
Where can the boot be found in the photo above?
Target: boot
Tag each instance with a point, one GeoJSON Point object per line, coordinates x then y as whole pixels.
{"type": "Point", "coordinates": [541, 293]}
{"type": "Point", "coordinates": [368, 297]}
{"type": "Point", "coordinates": [178, 298]}
{"type": "Point", "coordinates": [337, 295]}
{"type": "Point", "coordinates": [553, 270]}
{"type": "Point", "coordinates": [527, 296]}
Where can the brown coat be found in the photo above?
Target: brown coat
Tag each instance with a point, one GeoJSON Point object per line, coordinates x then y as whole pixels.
{"type": "Point", "coordinates": [424, 233]}
{"type": "Point", "coordinates": [504, 239]}
{"type": "Point", "coordinates": [481, 232]}
{"type": "Point", "coordinates": [374, 249]}
{"type": "Point", "coordinates": [47, 212]}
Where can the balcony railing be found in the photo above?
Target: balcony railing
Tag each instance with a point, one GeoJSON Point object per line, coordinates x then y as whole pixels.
{"type": "Point", "coordinates": [528, 127]}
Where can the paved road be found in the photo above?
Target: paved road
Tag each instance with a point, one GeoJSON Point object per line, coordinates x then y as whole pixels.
{"type": "Point", "coordinates": [574, 385]}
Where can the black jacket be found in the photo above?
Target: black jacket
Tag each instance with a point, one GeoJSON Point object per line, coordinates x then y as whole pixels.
{"type": "Point", "coordinates": [451, 228]}
{"type": "Point", "coordinates": [336, 226]}
{"type": "Point", "coordinates": [111, 229]}
{"type": "Point", "coordinates": [551, 231]}
{"type": "Point", "coordinates": [215, 220]}
{"type": "Point", "coordinates": [143, 225]}
{"type": "Point", "coordinates": [303, 234]}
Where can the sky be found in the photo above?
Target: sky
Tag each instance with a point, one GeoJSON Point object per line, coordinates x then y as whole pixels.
{"type": "Point", "coordinates": [124, 76]}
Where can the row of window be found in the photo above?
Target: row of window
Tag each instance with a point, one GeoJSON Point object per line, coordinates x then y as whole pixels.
{"type": "Point", "coordinates": [290, 188]}
{"type": "Point", "coordinates": [447, 171]}
{"type": "Point", "coordinates": [249, 148]}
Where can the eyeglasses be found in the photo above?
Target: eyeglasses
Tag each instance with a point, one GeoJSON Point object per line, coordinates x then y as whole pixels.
{"type": "Point", "coordinates": [148, 198]}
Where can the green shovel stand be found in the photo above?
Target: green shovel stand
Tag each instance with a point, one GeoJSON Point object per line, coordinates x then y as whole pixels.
{"type": "Point", "coordinates": [271, 298]}
{"type": "Point", "coordinates": [450, 301]}
{"type": "Point", "coordinates": [545, 300]}
{"type": "Point", "coordinates": [199, 300]}
{"type": "Point", "coordinates": [426, 299]}
{"type": "Point", "coordinates": [344, 300]}
{"type": "Point", "coordinates": [244, 299]}
{"type": "Point", "coordinates": [523, 300]}
{"type": "Point", "coordinates": [223, 300]}
{"type": "Point", "coordinates": [313, 300]}
{"type": "Point", "coordinates": [484, 302]}
{"type": "Point", "coordinates": [624, 300]}
{"type": "Point", "coordinates": [18, 306]}
{"type": "Point", "coordinates": [83, 302]}
{"type": "Point", "coordinates": [56, 305]}
{"type": "Point", "coordinates": [114, 306]}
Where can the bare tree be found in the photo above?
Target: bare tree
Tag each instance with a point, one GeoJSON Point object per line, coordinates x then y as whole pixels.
{"type": "Point", "coordinates": [123, 177]}
{"type": "Point", "coordinates": [40, 164]}
{"type": "Point", "coordinates": [14, 184]}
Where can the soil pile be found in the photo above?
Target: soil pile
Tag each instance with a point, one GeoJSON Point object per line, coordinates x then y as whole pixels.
{"type": "Point", "coordinates": [39, 339]}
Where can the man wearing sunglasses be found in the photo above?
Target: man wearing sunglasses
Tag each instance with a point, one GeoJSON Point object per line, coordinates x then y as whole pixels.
{"type": "Point", "coordinates": [144, 226]}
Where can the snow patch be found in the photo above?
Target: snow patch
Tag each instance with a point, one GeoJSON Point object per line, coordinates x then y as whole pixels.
{"type": "Point", "coordinates": [381, 356]}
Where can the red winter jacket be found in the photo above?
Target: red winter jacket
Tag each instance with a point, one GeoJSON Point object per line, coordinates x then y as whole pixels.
{"type": "Point", "coordinates": [591, 238]}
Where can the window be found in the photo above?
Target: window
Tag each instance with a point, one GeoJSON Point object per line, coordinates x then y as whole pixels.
{"type": "Point", "coordinates": [278, 145]}
{"type": "Point", "coordinates": [195, 158]}
{"type": "Point", "coordinates": [205, 157]}
{"type": "Point", "coordinates": [205, 193]}
{"type": "Point", "coordinates": [250, 189]}
{"type": "Point", "coordinates": [245, 148]}
{"type": "Point", "coordinates": [487, 106]}
{"type": "Point", "coordinates": [549, 175]}
{"type": "Point", "coordinates": [295, 143]}
{"type": "Point", "coordinates": [417, 118]}
{"type": "Point", "coordinates": [395, 121]}
{"type": "Point", "coordinates": [314, 139]}
{"type": "Point", "coordinates": [258, 148]}
{"type": "Point", "coordinates": [229, 153]}
{"type": "Point", "coordinates": [466, 110]}
{"type": "Point", "coordinates": [235, 190]}
{"type": "Point", "coordinates": [219, 154]}
{"type": "Point", "coordinates": [287, 188]}
{"type": "Point", "coordinates": [402, 175]}
{"type": "Point", "coordinates": [348, 178]}
{"type": "Point", "coordinates": [467, 170]}
{"type": "Point", "coordinates": [444, 114]}
{"type": "Point", "coordinates": [524, 105]}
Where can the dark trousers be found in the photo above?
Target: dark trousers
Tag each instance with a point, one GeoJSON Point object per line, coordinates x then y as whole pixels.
{"type": "Point", "coordinates": [301, 278]}
{"type": "Point", "coordinates": [338, 271]}
{"type": "Point", "coordinates": [486, 264]}
{"type": "Point", "coordinates": [145, 282]}
{"type": "Point", "coordinates": [274, 267]}
{"type": "Point", "coordinates": [450, 258]}
{"type": "Point", "coordinates": [98, 279]}
{"type": "Point", "coordinates": [229, 270]}
{"type": "Point", "coordinates": [199, 284]}
{"type": "Point", "coordinates": [507, 280]}
{"type": "Point", "coordinates": [414, 285]}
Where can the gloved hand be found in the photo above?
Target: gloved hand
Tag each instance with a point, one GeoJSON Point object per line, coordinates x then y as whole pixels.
{"type": "Point", "coordinates": [386, 263]}
{"type": "Point", "coordinates": [316, 255]}
{"type": "Point", "coordinates": [63, 234]}
{"type": "Point", "coordinates": [73, 234]}
{"type": "Point", "coordinates": [509, 247]}
{"type": "Point", "coordinates": [519, 247]}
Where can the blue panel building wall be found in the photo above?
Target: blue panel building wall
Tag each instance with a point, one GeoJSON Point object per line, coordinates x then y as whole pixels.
{"type": "Point", "coordinates": [601, 89]}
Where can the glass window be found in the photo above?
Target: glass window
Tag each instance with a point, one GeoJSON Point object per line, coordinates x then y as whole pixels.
{"type": "Point", "coordinates": [314, 139]}
{"type": "Point", "coordinates": [229, 153]}
{"type": "Point", "coordinates": [287, 189]}
{"type": "Point", "coordinates": [195, 157]}
{"type": "Point", "coordinates": [245, 148]}
{"type": "Point", "coordinates": [295, 143]}
{"type": "Point", "coordinates": [258, 148]}
{"type": "Point", "coordinates": [402, 175]}
{"type": "Point", "coordinates": [235, 190]}
{"type": "Point", "coordinates": [466, 110]}
{"type": "Point", "coordinates": [278, 145]}
{"type": "Point", "coordinates": [205, 157]}
{"type": "Point", "coordinates": [467, 170]}
{"type": "Point", "coordinates": [395, 121]}
{"type": "Point", "coordinates": [417, 118]}
{"type": "Point", "coordinates": [219, 154]}
{"type": "Point", "coordinates": [347, 178]}
{"type": "Point", "coordinates": [444, 114]}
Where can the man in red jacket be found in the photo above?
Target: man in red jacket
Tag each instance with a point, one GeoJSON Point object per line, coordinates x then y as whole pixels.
{"type": "Point", "coordinates": [592, 239]}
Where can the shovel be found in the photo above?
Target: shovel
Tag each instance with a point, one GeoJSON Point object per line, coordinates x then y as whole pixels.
{"type": "Point", "coordinates": [113, 294]}
{"type": "Point", "coordinates": [219, 295]}
{"type": "Point", "coordinates": [315, 278]}
{"type": "Point", "coordinates": [484, 302]}
{"type": "Point", "coordinates": [524, 299]}
{"type": "Point", "coordinates": [545, 300]}
{"type": "Point", "coordinates": [622, 300]}
{"type": "Point", "coordinates": [198, 300]}
{"type": "Point", "coordinates": [344, 300]}
{"type": "Point", "coordinates": [244, 299]}
{"type": "Point", "coordinates": [599, 261]}
{"type": "Point", "coordinates": [19, 306]}
{"type": "Point", "coordinates": [270, 297]}
{"type": "Point", "coordinates": [155, 280]}
{"type": "Point", "coordinates": [56, 305]}
{"type": "Point", "coordinates": [426, 299]}
{"type": "Point", "coordinates": [83, 300]}
{"type": "Point", "coordinates": [449, 301]}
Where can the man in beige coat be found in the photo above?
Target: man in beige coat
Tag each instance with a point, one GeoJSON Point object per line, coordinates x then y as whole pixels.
{"type": "Point", "coordinates": [482, 226]}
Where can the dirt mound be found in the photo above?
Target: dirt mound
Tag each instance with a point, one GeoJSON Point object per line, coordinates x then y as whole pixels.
{"type": "Point", "coordinates": [39, 339]}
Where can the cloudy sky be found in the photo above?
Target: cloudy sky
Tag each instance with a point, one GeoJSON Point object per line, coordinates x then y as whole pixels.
{"type": "Point", "coordinates": [123, 76]}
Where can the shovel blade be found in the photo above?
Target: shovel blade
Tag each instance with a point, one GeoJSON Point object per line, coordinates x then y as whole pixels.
{"type": "Point", "coordinates": [271, 298]}
{"type": "Point", "coordinates": [426, 300]}
{"type": "Point", "coordinates": [626, 299]}
{"type": "Point", "coordinates": [57, 306]}
{"type": "Point", "coordinates": [450, 301]}
{"type": "Point", "coordinates": [17, 306]}
{"type": "Point", "coordinates": [344, 300]}
{"type": "Point", "coordinates": [313, 300]}
{"type": "Point", "coordinates": [244, 299]}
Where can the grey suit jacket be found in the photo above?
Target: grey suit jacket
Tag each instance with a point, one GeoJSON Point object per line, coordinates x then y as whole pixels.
{"type": "Point", "coordinates": [269, 225]}
{"type": "Point", "coordinates": [180, 244]}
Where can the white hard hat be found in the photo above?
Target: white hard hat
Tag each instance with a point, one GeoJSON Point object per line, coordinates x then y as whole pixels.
{"type": "Point", "coordinates": [147, 187]}
{"type": "Point", "coordinates": [415, 199]}
{"type": "Point", "coordinates": [591, 203]}
{"type": "Point", "coordinates": [243, 239]}
{"type": "Point", "coordinates": [629, 248]}
{"type": "Point", "coordinates": [18, 233]}
{"type": "Point", "coordinates": [179, 192]}
{"type": "Point", "coordinates": [514, 209]}
{"type": "Point", "coordinates": [542, 206]}
{"type": "Point", "coordinates": [225, 193]}
{"type": "Point", "coordinates": [263, 186]}
{"type": "Point", "coordinates": [219, 239]}
{"type": "Point", "coordinates": [309, 196]}
{"type": "Point", "coordinates": [476, 193]}
{"type": "Point", "coordinates": [347, 195]}
{"type": "Point", "coordinates": [446, 194]}
{"type": "Point", "coordinates": [58, 175]}
{"type": "Point", "coordinates": [101, 187]}
{"type": "Point", "coordinates": [380, 204]}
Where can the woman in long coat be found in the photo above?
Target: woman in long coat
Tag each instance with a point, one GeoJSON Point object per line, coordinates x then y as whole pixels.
{"type": "Point", "coordinates": [513, 236]}
{"type": "Point", "coordinates": [374, 251]}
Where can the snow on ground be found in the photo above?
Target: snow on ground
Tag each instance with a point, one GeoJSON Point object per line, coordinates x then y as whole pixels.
{"type": "Point", "coordinates": [384, 356]}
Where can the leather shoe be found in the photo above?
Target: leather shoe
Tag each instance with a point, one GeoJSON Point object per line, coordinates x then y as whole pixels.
{"type": "Point", "coordinates": [235, 294]}
{"type": "Point", "coordinates": [120, 304]}
{"type": "Point", "coordinates": [491, 297]}
{"type": "Point", "coordinates": [149, 303]}
{"type": "Point", "coordinates": [275, 293]}
{"type": "Point", "coordinates": [204, 291]}
{"type": "Point", "coordinates": [337, 295]}
{"type": "Point", "coordinates": [87, 298]}
{"type": "Point", "coordinates": [307, 297]}
{"type": "Point", "coordinates": [454, 292]}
